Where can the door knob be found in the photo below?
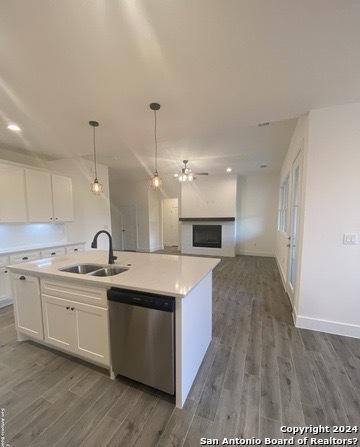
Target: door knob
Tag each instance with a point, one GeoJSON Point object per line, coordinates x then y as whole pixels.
{"type": "Point", "coordinates": [288, 245]}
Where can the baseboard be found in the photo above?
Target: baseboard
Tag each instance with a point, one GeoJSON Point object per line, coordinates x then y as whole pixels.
{"type": "Point", "coordinates": [281, 273]}
{"type": "Point", "coordinates": [156, 249]}
{"type": "Point", "coordinates": [6, 302]}
{"type": "Point", "coordinates": [255, 253]}
{"type": "Point", "coordinates": [331, 327]}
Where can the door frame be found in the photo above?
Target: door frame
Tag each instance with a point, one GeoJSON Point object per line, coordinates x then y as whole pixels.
{"type": "Point", "coordinates": [122, 227]}
{"type": "Point", "coordinates": [297, 163]}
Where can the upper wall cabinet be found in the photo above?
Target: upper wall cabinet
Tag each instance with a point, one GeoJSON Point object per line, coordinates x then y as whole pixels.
{"type": "Point", "coordinates": [12, 194]}
{"type": "Point", "coordinates": [62, 198]}
{"type": "Point", "coordinates": [34, 195]}
{"type": "Point", "coordinates": [39, 196]}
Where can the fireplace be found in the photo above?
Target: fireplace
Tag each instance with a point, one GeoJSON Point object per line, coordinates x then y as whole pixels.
{"type": "Point", "coordinates": [207, 236]}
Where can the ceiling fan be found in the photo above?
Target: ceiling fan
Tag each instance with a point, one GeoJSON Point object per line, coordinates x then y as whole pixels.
{"type": "Point", "coordinates": [186, 174]}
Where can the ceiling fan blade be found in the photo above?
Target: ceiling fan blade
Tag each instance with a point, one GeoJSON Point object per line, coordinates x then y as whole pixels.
{"type": "Point", "coordinates": [201, 173]}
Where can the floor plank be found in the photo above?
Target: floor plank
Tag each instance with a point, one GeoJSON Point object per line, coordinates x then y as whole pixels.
{"type": "Point", "coordinates": [260, 372]}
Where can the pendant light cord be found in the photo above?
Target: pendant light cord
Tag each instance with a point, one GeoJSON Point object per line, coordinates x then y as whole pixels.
{"type": "Point", "coordinates": [155, 138]}
{"type": "Point", "coordinates": [94, 153]}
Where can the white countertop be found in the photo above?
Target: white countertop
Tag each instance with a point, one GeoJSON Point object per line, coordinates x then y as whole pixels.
{"type": "Point", "coordinates": [9, 251]}
{"type": "Point", "coordinates": [170, 275]}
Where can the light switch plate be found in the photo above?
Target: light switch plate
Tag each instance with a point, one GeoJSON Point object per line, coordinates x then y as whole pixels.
{"type": "Point", "coordinates": [350, 238]}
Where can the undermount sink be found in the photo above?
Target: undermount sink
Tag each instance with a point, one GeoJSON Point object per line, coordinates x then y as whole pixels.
{"type": "Point", "coordinates": [109, 271]}
{"type": "Point", "coordinates": [82, 269]}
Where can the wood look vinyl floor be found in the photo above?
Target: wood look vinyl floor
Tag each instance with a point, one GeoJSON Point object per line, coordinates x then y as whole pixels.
{"type": "Point", "coordinates": [260, 372]}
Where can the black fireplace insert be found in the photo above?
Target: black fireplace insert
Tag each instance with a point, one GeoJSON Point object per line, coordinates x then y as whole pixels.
{"type": "Point", "coordinates": [207, 236]}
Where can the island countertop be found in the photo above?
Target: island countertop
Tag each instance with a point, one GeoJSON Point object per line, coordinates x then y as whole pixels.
{"type": "Point", "coordinates": [170, 275]}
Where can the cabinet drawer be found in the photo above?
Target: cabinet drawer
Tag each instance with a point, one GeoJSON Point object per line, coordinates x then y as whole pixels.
{"type": "Point", "coordinates": [59, 251]}
{"type": "Point", "coordinates": [74, 292]}
{"type": "Point", "coordinates": [24, 257]}
{"type": "Point", "coordinates": [74, 248]}
{"type": "Point", "coordinates": [4, 261]}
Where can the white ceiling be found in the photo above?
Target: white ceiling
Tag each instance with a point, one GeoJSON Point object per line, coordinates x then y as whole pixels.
{"type": "Point", "coordinates": [218, 67]}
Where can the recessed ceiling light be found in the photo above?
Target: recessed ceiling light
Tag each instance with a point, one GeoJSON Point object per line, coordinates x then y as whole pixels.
{"type": "Point", "coordinates": [228, 169]}
{"type": "Point", "coordinates": [263, 166]}
{"type": "Point", "coordinates": [266, 123]}
{"type": "Point", "coordinates": [14, 127]}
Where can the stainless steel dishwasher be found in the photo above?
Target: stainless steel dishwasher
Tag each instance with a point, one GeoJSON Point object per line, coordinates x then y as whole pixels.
{"type": "Point", "coordinates": [142, 338]}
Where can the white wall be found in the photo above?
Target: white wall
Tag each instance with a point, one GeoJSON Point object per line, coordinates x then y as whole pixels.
{"type": "Point", "coordinates": [257, 203]}
{"type": "Point", "coordinates": [329, 293]}
{"type": "Point", "coordinates": [212, 196]}
{"type": "Point", "coordinates": [91, 212]}
{"type": "Point", "coordinates": [22, 235]}
{"type": "Point", "coordinates": [154, 201]}
{"type": "Point", "coordinates": [148, 213]}
{"type": "Point", "coordinates": [170, 217]}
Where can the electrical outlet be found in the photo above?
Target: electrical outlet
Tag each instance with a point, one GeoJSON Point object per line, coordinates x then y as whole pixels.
{"type": "Point", "coordinates": [350, 238]}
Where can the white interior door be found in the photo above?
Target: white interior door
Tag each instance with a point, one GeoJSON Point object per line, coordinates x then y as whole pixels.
{"type": "Point", "coordinates": [129, 227]}
{"type": "Point", "coordinates": [294, 225]}
{"type": "Point", "coordinates": [170, 222]}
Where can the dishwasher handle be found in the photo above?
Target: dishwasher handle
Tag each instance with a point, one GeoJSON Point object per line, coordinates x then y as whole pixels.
{"type": "Point", "coordinates": [141, 299]}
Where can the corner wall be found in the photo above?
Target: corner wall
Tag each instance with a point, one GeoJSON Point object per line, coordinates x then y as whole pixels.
{"type": "Point", "coordinates": [330, 271]}
{"type": "Point", "coordinates": [257, 204]}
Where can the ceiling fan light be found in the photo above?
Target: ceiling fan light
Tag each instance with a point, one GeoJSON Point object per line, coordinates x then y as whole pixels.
{"type": "Point", "coordinates": [190, 177]}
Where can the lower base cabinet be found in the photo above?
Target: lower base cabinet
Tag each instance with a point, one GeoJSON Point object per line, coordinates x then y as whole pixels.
{"type": "Point", "coordinates": [72, 326]}
{"type": "Point", "coordinates": [77, 327]}
{"type": "Point", "coordinates": [28, 313]}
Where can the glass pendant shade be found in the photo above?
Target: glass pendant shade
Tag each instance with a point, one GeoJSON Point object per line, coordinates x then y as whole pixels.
{"type": "Point", "coordinates": [155, 181]}
{"type": "Point", "coordinates": [96, 187]}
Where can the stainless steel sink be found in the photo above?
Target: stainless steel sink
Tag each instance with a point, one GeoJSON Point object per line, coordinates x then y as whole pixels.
{"type": "Point", "coordinates": [82, 269]}
{"type": "Point", "coordinates": [109, 271]}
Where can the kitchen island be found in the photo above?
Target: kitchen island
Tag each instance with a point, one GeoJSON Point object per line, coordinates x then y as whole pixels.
{"type": "Point", "coordinates": [69, 311]}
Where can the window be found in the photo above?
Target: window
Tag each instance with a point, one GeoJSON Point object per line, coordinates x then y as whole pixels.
{"type": "Point", "coordinates": [283, 206]}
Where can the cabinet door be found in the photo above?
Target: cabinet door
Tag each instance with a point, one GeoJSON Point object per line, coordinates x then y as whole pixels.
{"type": "Point", "coordinates": [39, 196]}
{"type": "Point", "coordinates": [5, 285]}
{"type": "Point", "coordinates": [59, 322]}
{"type": "Point", "coordinates": [92, 339]}
{"type": "Point", "coordinates": [12, 194]}
{"type": "Point", "coordinates": [27, 305]}
{"type": "Point", "coordinates": [62, 198]}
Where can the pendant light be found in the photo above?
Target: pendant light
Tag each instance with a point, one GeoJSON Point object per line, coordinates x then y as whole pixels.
{"type": "Point", "coordinates": [96, 187]}
{"type": "Point", "coordinates": [155, 181]}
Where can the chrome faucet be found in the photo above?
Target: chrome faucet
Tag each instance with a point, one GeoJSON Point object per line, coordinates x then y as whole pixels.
{"type": "Point", "coordinates": [111, 253]}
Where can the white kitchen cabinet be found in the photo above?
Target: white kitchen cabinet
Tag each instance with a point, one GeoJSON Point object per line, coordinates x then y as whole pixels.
{"type": "Point", "coordinates": [48, 253]}
{"type": "Point", "coordinates": [59, 322]}
{"type": "Point", "coordinates": [90, 343]}
{"type": "Point", "coordinates": [12, 194]}
{"type": "Point", "coordinates": [74, 248]}
{"type": "Point", "coordinates": [28, 315]}
{"type": "Point", "coordinates": [39, 196]}
{"type": "Point", "coordinates": [76, 327]}
{"type": "Point", "coordinates": [62, 198]}
{"type": "Point", "coordinates": [25, 256]}
{"type": "Point", "coordinates": [5, 286]}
